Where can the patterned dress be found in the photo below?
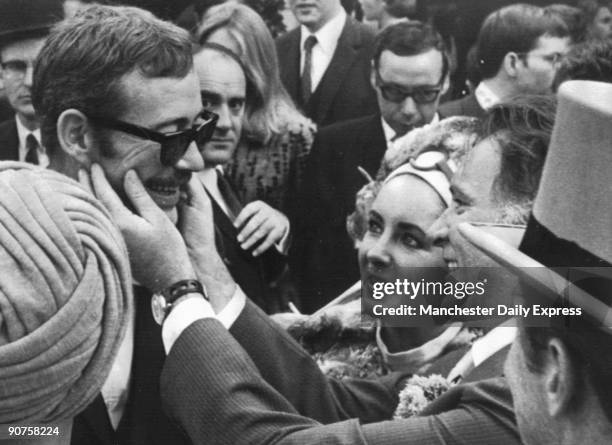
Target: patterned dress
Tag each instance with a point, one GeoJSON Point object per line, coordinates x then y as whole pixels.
{"type": "Point", "coordinates": [273, 172]}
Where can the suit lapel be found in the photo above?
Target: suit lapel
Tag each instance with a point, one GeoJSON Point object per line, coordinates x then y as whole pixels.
{"type": "Point", "coordinates": [335, 75]}
{"type": "Point", "coordinates": [289, 57]}
{"type": "Point", "coordinates": [374, 145]}
{"type": "Point", "coordinates": [221, 220]}
{"type": "Point", "coordinates": [9, 141]}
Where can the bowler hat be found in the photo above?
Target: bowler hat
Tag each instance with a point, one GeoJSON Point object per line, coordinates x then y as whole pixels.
{"type": "Point", "coordinates": [567, 247]}
{"type": "Point", "coordinates": [21, 19]}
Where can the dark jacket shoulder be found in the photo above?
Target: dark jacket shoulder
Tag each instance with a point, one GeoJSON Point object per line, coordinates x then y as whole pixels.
{"type": "Point", "coordinates": [9, 141]}
{"type": "Point", "coordinates": [466, 106]}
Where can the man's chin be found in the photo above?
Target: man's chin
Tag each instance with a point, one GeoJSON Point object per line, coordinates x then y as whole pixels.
{"type": "Point", "coordinates": [26, 111]}
{"type": "Point", "coordinates": [172, 214]}
{"type": "Point", "coordinates": [168, 206]}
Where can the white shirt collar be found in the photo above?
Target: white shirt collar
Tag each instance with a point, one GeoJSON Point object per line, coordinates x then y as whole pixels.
{"type": "Point", "coordinates": [492, 342]}
{"type": "Point", "coordinates": [328, 35]}
{"type": "Point", "coordinates": [23, 132]}
{"type": "Point", "coordinates": [209, 178]}
{"type": "Point", "coordinates": [485, 96]}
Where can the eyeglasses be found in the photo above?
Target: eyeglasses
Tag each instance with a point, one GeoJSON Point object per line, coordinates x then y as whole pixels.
{"type": "Point", "coordinates": [554, 58]}
{"type": "Point", "coordinates": [174, 144]}
{"type": "Point", "coordinates": [420, 95]}
{"type": "Point", "coordinates": [434, 160]}
{"type": "Point", "coordinates": [16, 69]}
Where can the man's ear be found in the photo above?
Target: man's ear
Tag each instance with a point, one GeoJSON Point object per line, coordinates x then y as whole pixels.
{"type": "Point", "coordinates": [373, 75]}
{"type": "Point", "coordinates": [75, 136]}
{"type": "Point", "coordinates": [510, 64]}
{"type": "Point", "coordinates": [445, 85]}
{"type": "Point", "coordinates": [560, 378]}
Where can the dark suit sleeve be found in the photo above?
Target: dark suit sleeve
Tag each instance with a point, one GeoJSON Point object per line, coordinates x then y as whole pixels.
{"type": "Point", "coordinates": [285, 365]}
{"type": "Point", "coordinates": [213, 390]}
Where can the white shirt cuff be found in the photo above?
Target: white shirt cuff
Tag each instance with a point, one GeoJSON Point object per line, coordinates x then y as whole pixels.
{"type": "Point", "coordinates": [232, 310]}
{"type": "Point", "coordinates": [193, 309]}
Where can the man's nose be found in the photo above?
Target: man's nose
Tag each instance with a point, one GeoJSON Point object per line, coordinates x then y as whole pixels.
{"type": "Point", "coordinates": [438, 232]}
{"type": "Point", "coordinates": [191, 160]}
{"type": "Point", "coordinates": [224, 123]}
{"type": "Point", "coordinates": [409, 107]}
{"type": "Point", "coordinates": [29, 74]}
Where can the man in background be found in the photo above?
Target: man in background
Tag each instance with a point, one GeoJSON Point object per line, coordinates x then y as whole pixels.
{"type": "Point", "coordinates": [409, 73]}
{"type": "Point", "coordinates": [252, 239]}
{"type": "Point", "coordinates": [24, 25]}
{"type": "Point", "coordinates": [518, 51]}
{"type": "Point", "coordinates": [324, 63]}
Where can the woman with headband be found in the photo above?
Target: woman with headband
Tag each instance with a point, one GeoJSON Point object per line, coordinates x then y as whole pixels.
{"type": "Point", "coordinates": [389, 226]}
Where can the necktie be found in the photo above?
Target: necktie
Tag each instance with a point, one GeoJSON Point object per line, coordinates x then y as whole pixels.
{"type": "Point", "coordinates": [306, 84]}
{"type": "Point", "coordinates": [232, 202]}
{"type": "Point", "coordinates": [31, 149]}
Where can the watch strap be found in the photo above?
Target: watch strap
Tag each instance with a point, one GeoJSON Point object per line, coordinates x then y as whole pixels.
{"type": "Point", "coordinates": [183, 287]}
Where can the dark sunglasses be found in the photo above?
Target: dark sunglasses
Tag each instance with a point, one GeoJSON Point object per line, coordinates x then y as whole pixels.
{"type": "Point", "coordinates": [174, 144]}
{"type": "Point", "coordinates": [421, 95]}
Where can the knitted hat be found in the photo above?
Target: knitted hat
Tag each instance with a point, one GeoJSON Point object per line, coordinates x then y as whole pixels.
{"type": "Point", "coordinates": [65, 295]}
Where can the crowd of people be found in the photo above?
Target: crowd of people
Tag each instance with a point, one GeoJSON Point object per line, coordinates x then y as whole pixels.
{"type": "Point", "coordinates": [176, 200]}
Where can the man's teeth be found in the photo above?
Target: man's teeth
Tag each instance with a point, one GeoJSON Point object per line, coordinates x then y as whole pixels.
{"type": "Point", "coordinates": [452, 265]}
{"type": "Point", "coordinates": [161, 189]}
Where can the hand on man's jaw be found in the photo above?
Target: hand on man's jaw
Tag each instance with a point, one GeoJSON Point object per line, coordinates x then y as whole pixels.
{"type": "Point", "coordinates": [160, 253]}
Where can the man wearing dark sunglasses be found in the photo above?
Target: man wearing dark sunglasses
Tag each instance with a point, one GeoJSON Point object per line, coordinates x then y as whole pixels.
{"type": "Point", "coordinates": [116, 87]}
{"type": "Point", "coordinates": [409, 73]}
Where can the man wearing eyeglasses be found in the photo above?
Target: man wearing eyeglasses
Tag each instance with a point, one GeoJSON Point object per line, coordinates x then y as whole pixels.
{"type": "Point", "coordinates": [24, 26]}
{"type": "Point", "coordinates": [114, 86]}
{"type": "Point", "coordinates": [519, 49]}
{"type": "Point", "coordinates": [409, 72]}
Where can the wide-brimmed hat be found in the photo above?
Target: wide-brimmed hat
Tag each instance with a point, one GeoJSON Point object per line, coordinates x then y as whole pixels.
{"type": "Point", "coordinates": [567, 247]}
{"type": "Point", "coordinates": [20, 19]}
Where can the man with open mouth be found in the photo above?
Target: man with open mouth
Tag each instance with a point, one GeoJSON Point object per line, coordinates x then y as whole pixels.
{"type": "Point", "coordinates": [116, 87]}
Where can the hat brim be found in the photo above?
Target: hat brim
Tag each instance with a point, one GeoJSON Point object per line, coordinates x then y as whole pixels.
{"type": "Point", "coordinates": [535, 273]}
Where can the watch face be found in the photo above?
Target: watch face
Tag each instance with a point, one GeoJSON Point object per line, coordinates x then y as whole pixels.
{"type": "Point", "coordinates": [158, 307]}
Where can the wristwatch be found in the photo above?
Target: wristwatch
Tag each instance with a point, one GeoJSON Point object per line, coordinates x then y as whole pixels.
{"type": "Point", "coordinates": [162, 303]}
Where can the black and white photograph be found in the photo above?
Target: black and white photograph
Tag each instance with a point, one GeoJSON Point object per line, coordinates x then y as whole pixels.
{"type": "Point", "coordinates": [304, 222]}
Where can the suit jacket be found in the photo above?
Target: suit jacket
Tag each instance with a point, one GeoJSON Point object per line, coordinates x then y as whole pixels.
{"type": "Point", "coordinates": [345, 91]}
{"type": "Point", "coordinates": [323, 257]}
{"type": "Point", "coordinates": [9, 141]}
{"type": "Point", "coordinates": [143, 421]}
{"type": "Point", "coordinates": [275, 394]}
{"type": "Point", "coordinates": [466, 106]}
{"type": "Point", "coordinates": [250, 273]}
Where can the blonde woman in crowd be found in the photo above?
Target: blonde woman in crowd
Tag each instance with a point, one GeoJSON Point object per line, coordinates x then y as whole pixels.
{"type": "Point", "coordinates": [269, 161]}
